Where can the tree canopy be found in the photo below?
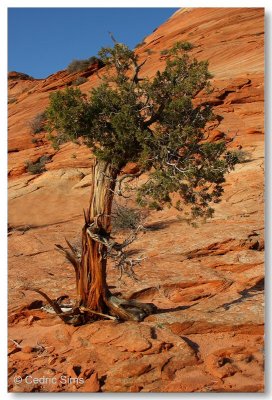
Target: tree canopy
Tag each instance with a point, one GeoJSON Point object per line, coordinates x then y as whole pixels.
{"type": "Point", "coordinates": [151, 121]}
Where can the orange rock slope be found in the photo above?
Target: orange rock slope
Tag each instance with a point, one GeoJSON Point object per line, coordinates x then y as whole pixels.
{"type": "Point", "coordinates": [207, 281]}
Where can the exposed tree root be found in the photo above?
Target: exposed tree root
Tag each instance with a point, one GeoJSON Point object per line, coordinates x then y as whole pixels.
{"type": "Point", "coordinates": [129, 310]}
{"type": "Point", "coordinates": [74, 317]}
{"type": "Point", "coordinates": [103, 302]}
{"type": "Point", "coordinates": [94, 299]}
{"type": "Point", "coordinates": [120, 309]}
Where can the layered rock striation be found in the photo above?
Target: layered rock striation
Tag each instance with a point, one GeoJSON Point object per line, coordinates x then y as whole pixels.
{"type": "Point", "coordinates": [207, 282]}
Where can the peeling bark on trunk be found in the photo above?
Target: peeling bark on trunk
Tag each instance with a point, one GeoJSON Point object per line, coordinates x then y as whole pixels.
{"type": "Point", "coordinates": [92, 286]}
{"type": "Point", "coordinates": [93, 293]}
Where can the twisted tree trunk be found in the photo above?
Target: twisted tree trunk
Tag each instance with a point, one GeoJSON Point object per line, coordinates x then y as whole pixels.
{"type": "Point", "coordinates": [92, 287]}
{"type": "Point", "coordinates": [93, 294]}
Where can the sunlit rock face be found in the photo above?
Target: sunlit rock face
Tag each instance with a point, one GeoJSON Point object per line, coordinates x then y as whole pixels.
{"type": "Point", "coordinates": [207, 282]}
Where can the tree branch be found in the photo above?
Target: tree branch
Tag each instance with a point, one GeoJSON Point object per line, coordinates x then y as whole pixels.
{"type": "Point", "coordinates": [113, 38]}
{"type": "Point", "coordinates": [155, 116]}
{"type": "Point", "coordinates": [73, 258]}
{"type": "Point", "coordinates": [137, 68]}
{"type": "Point", "coordinates": [131, 177]}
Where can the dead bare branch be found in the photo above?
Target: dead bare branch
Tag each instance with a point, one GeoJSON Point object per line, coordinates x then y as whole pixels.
{"type": "Point", "coordinates": [56, 307]}
{"type": "Point", "coordinates": [113, 38]}
{"type": "Point", "coordinates": [116, 250]}
{"type": "Point", "coordinates": [137, 68]}
{"type": "Point", "coordinates": [123, 178]}
{"type": "Point", "coordinates": [16, 343]}
{"type": "Point", "coordinates": [97, 313]}
{"type": "Point", "coordinates": [72, 258]}
{"type": "Point", "coordinates": [86, 217]}
{"type": "Point", "coordinates": [70, 317]}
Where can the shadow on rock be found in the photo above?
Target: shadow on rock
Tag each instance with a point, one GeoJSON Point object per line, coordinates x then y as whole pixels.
{"type": "Point", "coordinates": [245, 294]}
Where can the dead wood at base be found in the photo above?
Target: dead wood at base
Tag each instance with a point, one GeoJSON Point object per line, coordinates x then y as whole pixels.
{"type": "Point", "coordinates": [118, 309]}
{"type": "Point", "coordinates": [129, 310]}
{"type": "Point", "coordinates": [94, 299]}
{"type": "Point", "coordinates": [74, 317]}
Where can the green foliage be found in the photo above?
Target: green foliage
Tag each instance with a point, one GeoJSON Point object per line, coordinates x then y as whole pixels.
{"type": "Point", "coordinates": [120, 57]}
{"type": "Point", "coordinates": [69, 114]}
{"type": "Point", "coordinates": [152, 122]}
{"type": "Point", "coordinates": [55, 141]}
{"type": "Point", "coordinates": [237, 156]}
{"type": "Point", "coordinates": [38, 166]}
{"type": "Point", "coordinates": [37, 124]}
{"type": "Point", "coordinates": [81, 65]}
{"type": "Point", "coordinates": [178, 47]}
{"type": "Point", "coordinates": [79, 81]}
{"type": "Point", "coordinates": [164, 52]}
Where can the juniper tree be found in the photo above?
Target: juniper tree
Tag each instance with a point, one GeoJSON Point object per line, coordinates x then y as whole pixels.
{"type": "Point", "coordinates": [155, 123]}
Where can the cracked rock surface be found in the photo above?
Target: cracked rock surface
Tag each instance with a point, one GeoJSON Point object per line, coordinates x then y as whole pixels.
{"type": "Point", "coordinates": [207, 282]}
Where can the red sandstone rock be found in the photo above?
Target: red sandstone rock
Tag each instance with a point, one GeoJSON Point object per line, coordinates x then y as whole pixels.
{"type": "Point", "coordinates": [92, 384]}
{"type": "Point", "coordinates": [71, 371]}
{"type": "Point", "coordinates": [13, 75]}
{"type": "Point", "coordinates": [216, 135]}
{"type": "Point", "coordinates": [130, 168]}
{"type": "Point", "coordinates": [207, 282]}
{"type": "Point", "coordinates": [27, 349]}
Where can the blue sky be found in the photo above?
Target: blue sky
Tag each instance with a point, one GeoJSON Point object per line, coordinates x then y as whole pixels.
{"type": "Point", "coordinates": [42, 41]}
